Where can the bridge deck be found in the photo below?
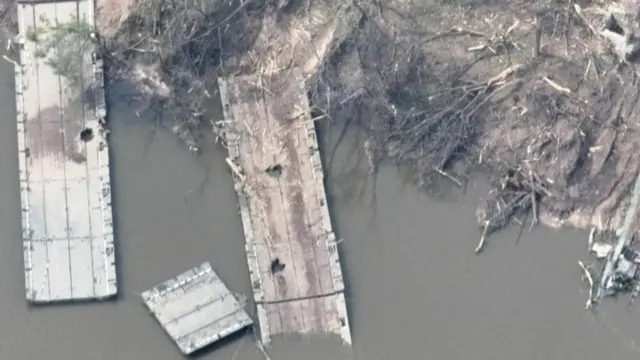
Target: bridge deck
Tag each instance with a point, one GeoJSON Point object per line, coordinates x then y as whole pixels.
{"type": "Point", "coordinates": [196, 309]}
{"type": "Point", "coordinates": [291, 247]}
{"type": "Point", "coordinates": [64, 176]}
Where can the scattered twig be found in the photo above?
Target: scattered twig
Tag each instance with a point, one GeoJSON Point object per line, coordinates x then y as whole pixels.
{"type": "Point", "coordinates": [454, 31]}
{"type": "Point", "coordinates": [450, 177]}
{"type": "Point", "coordinates": [511, 28]}
{"type": "Point", "coordinates": [14, 63]}
{"type": "Point", "coordinates": [477, 47]}
{"type": "Point", "coordinates": [578, 11]}
{"type": "Point", "coordinates": [482, 153]}
{"type": "Point", "coordinates": [586, 71]}
{"type": "Point", "coordinates": [504, 74]}
{"type": "Point", "coordinates": [556, 87]}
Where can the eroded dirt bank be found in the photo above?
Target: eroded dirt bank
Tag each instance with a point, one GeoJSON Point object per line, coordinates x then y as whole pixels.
{"type": "Point", "coordinates": [534, 91]}
{"type": "Point", "coordinates": [541, 95]}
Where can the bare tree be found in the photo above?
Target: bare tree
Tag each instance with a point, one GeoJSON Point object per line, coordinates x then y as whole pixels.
{"type": "Point", "coordinates": [65, 46]}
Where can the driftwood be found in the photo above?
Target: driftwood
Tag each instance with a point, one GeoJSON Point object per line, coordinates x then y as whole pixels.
{"type": "Point", "coordinates": [517, 192]}
{"type": "Point", "coordinates": [237, 171]}
{"type": "Point", "coordinates": [587, 275]}
{"type": "Point", "coordinates": [495, 219]}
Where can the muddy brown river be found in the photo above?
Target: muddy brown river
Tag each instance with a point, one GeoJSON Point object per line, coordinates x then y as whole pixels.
{"type": "Point", "coordinates": [416, 289]}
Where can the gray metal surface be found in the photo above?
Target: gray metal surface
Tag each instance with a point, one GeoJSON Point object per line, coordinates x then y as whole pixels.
{"type": "Point", "coordinates": [64, 180]}
{"type": "Point", "coordinates": [196, 309]}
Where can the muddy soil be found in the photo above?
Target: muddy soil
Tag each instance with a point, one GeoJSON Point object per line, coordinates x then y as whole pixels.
{"type": "Point", "coordinates": [529, 89]}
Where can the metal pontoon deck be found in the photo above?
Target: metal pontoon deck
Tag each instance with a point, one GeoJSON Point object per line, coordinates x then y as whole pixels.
{"type": "Point", "coordinates": [196, 309]}
{"type": "Point", "coordinates": [69, 251]}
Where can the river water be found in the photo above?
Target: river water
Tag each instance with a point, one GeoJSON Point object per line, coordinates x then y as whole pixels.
{"type": "Point", "coordinates": [416, 289]}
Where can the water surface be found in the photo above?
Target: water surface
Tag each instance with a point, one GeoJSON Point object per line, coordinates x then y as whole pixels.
{"type": "Point", "coordinates": [416, 289]}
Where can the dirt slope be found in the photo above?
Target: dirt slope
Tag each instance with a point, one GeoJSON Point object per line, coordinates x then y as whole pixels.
{"type": "Point", "coordinates": [531, 90]}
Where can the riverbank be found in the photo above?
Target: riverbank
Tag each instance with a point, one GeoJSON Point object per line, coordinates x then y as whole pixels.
{"type": "Point", "coordinates": [533, 92]}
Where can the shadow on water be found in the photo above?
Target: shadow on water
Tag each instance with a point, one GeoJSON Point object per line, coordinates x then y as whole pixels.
{"type": "Point", "coordinates": [327, 147]}
{"type": "Point", "coordinates": [352, 176]}
{"type": "Point", "coordinates": [416, 286]}
{"type": "Point", "coordinates": [76, 304]}
{"type": "Point", "coordinates": [234, 340]}
{"type": "Point", "coordinates": [9, 189]}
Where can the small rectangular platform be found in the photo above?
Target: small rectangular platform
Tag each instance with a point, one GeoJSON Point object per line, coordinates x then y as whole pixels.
{"type": "Point", "coordinates": [196, 309]}
{"type": "Point", "coordinates": [69, 250]}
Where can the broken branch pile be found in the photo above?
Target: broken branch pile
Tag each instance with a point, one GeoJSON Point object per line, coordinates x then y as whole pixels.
{"type": "Point", "coordinates": [539, 93]}
{"type": "Point", "coordinates": [172, 52]}
{"type": "Point", "coordinates": [547, 103]}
